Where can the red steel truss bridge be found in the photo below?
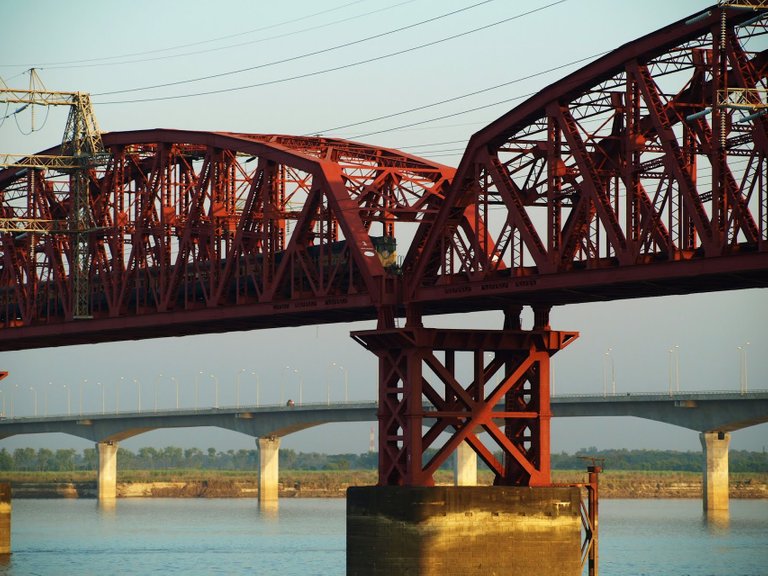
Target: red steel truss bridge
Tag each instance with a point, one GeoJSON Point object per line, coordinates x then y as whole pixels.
{"type": "Point", "coordinates": [642, 174]}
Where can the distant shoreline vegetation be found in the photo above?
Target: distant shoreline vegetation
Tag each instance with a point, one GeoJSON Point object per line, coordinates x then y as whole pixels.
{"type": "Point", "coordinates": [172, 457]}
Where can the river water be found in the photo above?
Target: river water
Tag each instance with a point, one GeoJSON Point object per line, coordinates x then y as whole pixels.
{"type": "Point", "coordinates": [307, 537]}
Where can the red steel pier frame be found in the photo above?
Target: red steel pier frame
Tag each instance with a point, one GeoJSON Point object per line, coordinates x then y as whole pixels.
{"type": "Point", "coordinates": [421, 398]}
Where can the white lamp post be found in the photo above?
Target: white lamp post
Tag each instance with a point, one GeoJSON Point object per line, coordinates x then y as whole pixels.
{"type": "Point", "coordinates": [301, 385]}
{"type": "Point", "coordinates": [197, 389]}
{"type": "Point", "coordinates": [743, 375]}
{"type": "Point", "coordinates": [674, 369]}
{"type": "Point", "coordinates": [346, 379]}
{"type": "Point", "coordinates": [175, 381]}
{"type": "Point", "coordinates": [35, 393]}
{"type": "Point", "coordinates": [138, 387]}
{"type": "Point", "coordinates": [83, 382]}
{"type": "Point", "coordinates": [69, 400]}
{"type": "Point", "coordinates": [215, 389]}
{"type": "Point", "coordinates": [117, 394]}
{"type": "Point", "coordinates": [237, 387]}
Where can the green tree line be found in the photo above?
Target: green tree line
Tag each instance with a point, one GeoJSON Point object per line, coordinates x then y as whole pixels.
{"type": "Point", "coordinates": [667, 460]}
{"type": "Point", "coordinates": [173, 457]}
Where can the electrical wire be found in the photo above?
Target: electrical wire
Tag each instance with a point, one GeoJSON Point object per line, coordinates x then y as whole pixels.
{"type": "Point", "coordinates": [462, 96]}
{"type": "Point", "coordinates": [199, 42]}
{"type": "Point", "coordinates": [443, 117]}
{"type": "Point", "coordinates": [32, 126]}
{"type": "Point", "coordinates": [238, 45]}
{"type": "Point", "coordinates": [295, 58]}
{"type": "Point", "coordinates": [433, 144]}
{"type": "Point", "coordinates": [20, 109]}
{"type": "Point", "coordinates": [333, 69]}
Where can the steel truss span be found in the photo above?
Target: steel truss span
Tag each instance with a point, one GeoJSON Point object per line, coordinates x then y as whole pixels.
{"type": "Point", "coordinates": [202, 232]}
{"type": "Point", "coordinates": [642, 174]}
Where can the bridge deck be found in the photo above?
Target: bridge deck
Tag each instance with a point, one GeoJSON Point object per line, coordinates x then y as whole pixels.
{"type": "Point", "coordinates": [701, 411]}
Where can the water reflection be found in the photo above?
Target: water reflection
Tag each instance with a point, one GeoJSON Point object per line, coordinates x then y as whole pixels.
{"type": "Point", "coordinates": [717, 521]}
{"type": "Point", "coordinates": [268, 509]}
{"type": "Point", "coordinates": [108, 505]}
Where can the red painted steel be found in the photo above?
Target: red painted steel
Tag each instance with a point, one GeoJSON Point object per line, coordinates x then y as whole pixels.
{"type": "Point", "coordinates": [608, 184]}
{"type": "Point", "coordinates": [614, 182]}
{"type": "Point", "coordinates": [204, 232]}
{"type": "Point", "coordinates": [421, 398]}
{"type": "Point", "coordinates": [644, 173]}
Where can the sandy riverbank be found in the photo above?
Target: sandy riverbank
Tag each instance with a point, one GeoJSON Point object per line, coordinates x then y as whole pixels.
{"type": "Point", "coordinates": [334, 485]}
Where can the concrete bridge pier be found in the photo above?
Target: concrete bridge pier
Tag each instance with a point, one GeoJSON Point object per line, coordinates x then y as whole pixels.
{"type": "Point", "coordinates": [460, 530]}
{"type": "Point", "coordinates": [5, 518]}
{"type": "Point", "coordinates": [107, 474]}
{"type": "Point", "coordinates": [269, 451]}
{"type": "Point", "coordinates": [715, 485]}
{"type": "Point", "coordinates": [465, 466]}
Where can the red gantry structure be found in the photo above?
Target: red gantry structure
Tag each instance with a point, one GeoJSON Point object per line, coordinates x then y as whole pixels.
{"type": "Point", "coordinates": [642, 174]}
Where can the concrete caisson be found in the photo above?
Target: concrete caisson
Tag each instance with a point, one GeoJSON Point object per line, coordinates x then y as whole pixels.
{"type": "Point", "coordinates": [715, 486]}
{"type": "Point", "coordinates": [107, 473]}
{"type": "Point", "coordinates": [269, 453]}
{"type": "Point", "coordinates": [463, 530]}
{"type": "Point", "coordinates": [5, 518]}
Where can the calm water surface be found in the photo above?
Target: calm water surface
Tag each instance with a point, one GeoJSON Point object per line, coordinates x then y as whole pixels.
{"type": "Point", "coordinates": [307, 537]}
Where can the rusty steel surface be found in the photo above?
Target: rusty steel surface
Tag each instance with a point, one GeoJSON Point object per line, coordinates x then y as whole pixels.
{"type": "Point", "coordinates": [622, 180]}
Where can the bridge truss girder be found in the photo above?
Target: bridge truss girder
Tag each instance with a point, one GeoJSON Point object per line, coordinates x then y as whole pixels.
{"type": "Point", "coordinates": [185, 224]}
{"type": "Point", "coordinates": [627, 164]}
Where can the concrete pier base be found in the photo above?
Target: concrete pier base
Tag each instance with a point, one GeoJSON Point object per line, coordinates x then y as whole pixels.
{"type": "Point", "coordinates": [465, 466]}
{"type": "Point", "coordinates": [455, 531]}
{"type": "Point", "coordinates": [5, 518]}
{"type": "Point", "coordinates": [107, 474]}
{"type": "Point", "coordinates": [715, 445]}
{"type": "Point", "coordinates": [269, 452]}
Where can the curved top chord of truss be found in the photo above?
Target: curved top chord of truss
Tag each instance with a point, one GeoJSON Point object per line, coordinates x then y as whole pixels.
{"type": "Point", "coordinates": [206, 232]}
{"type": "Point", "coordinates": [368, 168]}
{"type": "Point", "coordinates": [641, 174]}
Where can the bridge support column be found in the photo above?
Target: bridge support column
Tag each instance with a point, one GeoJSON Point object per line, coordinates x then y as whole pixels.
{"type": "Point", "coordinates": [460, 530]}
{"type": "Point", "coordinates": [510, 368]}
{"type": "Point", "coordinates": [715, 485]}
{"type": "Point", "coordinates": [107, 474]}
{"type": "Point", "coordinates": [269, 449]}
{"type": "Point", "coordinates": [5, 518]}
{"type": "Point", "coordinates": [465, 466]}
{"type": "Point", "coordinates": [406, 524]}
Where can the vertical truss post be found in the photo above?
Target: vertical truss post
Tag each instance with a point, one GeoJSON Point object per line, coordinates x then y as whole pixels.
{"type": "Point", "coordinates": [421, 400]}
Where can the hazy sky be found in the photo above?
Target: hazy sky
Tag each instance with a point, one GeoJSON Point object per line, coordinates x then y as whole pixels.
{"type": "Point", "coordinates": [102, 47]}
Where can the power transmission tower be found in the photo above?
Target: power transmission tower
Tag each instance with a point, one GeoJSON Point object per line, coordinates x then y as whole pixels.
{"type": "Point", "coordinates": [81, 151]}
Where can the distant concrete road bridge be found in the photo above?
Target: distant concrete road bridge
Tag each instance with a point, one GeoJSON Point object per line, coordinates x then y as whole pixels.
{"type": "Point", "coordinates": [713, 414]}
{"type": "Point", "coordinates": [268, 424]}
